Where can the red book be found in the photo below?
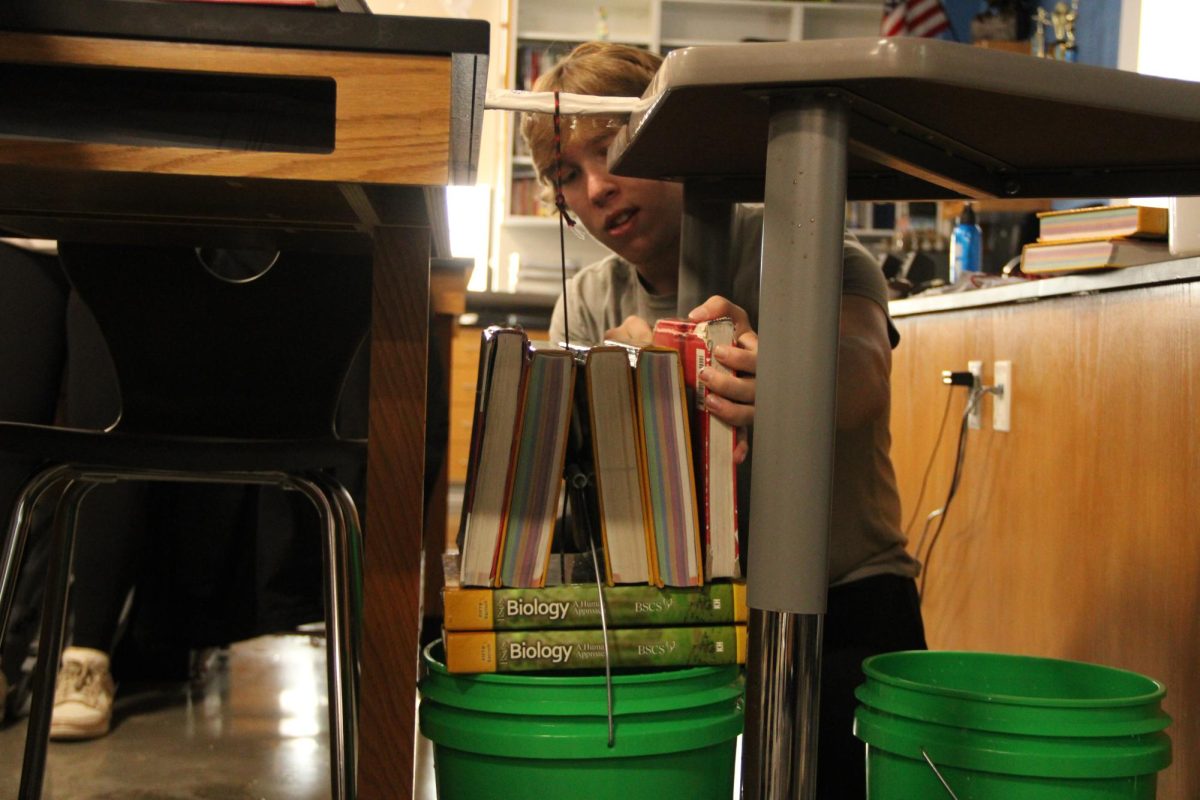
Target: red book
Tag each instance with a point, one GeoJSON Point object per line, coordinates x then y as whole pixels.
{"type": "Point", "coordinates": [714, 440]}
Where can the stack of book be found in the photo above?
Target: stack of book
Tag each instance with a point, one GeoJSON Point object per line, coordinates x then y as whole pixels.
{"type": "Point", "coordinates": [1102, 237]}
{"type": "Point", "coordinates": [559, 627]}
{"type": "Point", "coordinates": [652, 478]}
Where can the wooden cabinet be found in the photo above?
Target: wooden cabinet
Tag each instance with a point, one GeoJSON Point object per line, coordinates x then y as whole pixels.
{"type": "Point", "coordinates": [1077, 534]}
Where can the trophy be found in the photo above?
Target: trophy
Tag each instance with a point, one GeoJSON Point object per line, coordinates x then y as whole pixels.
{"type": "Point", "coordinates": [1061, 21]}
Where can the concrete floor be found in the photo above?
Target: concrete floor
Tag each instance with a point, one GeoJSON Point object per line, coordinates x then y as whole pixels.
{"type": "Point", "coordinates": [255, 729]}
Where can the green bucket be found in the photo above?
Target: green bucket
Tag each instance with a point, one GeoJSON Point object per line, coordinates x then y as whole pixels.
{"type": "Point", "coordinates": [987, 726]}
{"type": "Point", "coordinates": [504, 737]}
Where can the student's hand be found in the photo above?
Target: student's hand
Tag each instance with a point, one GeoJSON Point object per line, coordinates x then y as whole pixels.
{"type": "Point", "coordinates": [634, 330]}
{"type": "Point", "coordinates": [731, 397]}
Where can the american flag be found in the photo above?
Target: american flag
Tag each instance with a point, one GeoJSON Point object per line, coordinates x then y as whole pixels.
{"type": "Point", "coordinates": [914, 18]}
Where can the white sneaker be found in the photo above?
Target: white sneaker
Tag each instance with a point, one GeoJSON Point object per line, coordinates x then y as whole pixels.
{"type": "Point", "coordinates": [83, 695]}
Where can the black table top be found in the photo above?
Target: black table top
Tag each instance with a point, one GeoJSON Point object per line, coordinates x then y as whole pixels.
{"type": "Point", "coordinates": [928, 119]}
{"type": "Point", "coordinates": [225, 23]}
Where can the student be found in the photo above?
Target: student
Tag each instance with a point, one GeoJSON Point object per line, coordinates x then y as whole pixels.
{"type": "Point", "coordinates": [873, 605]}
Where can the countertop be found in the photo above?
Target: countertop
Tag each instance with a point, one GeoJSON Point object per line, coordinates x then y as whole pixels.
{"type": "Point", "coordinates": [1177, 270]}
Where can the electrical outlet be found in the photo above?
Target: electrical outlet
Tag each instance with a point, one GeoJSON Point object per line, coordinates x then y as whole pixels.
{"type": "Point", "coordinates": [974, 419]}
{"type": "Point", "coordinates": [1002, 400]}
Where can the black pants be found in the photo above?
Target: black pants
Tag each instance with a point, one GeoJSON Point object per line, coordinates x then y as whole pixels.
{"type": "Point", "coordinates": [53, 365]}
{"type": "Point", "coordinates": [875, 615]}
{"type": "Point", "coordinates": [33, 296]}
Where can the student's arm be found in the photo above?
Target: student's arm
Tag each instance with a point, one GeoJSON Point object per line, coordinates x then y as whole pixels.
{"type": "Point", "coordinates": [864, 364]}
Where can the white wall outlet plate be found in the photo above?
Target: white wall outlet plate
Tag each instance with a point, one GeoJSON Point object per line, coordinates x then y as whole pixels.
{"type": "Point", "coordinates": [1184, 226]}
{"type": "Point", "coordinates": [1002, 402]}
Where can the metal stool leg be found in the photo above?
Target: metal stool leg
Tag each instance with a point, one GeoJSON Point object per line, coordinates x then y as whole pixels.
{"type": "Point", "coordinates": [346, 546]}
{"type": "Point", "coordinates": [342, 547]}
{"type": "Point", "coordinates": [353, 545]}
{"type": "Point", "coordinates": [18, 534]}
{"type": "Point", "coordinates": [338, 633]}
{"type": "Point", "coordinates": [54, 617]}
{"type": "Point", "coordinates": [347, 607]}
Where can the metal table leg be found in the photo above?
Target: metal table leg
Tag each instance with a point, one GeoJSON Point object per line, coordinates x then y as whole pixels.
{"type": "Point", "coordinates": [705, 255]}
{"type": "Point", "coordinates": [787, 570]}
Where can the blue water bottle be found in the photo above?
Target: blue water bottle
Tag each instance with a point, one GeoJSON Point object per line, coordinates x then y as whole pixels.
{"type": "Point", "coordinates": [966, 246]}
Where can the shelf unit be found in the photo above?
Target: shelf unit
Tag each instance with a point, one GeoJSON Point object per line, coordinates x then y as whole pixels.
{"type": "Point", "coordinates": [525, 232]}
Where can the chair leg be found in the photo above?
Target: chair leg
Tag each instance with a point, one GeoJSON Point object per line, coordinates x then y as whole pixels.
{"type": "Point", "coordinates": [341, 654]}
{"type": "Point", "coordinates": [345, 544]}
{"type": "Point", "coordinates": [353, 554]}
{"type": "Point", "coordinates": [350, 544]}
{"type": "Point", "coordinates": [54, 618]}
{"type": "Point", "coordinates": [18, 535]}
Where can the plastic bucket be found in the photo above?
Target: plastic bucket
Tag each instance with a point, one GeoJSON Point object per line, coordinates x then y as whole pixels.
{"type": "Point", "coordinates": [514, 736]}
{"type": "Point", "coordinates": [987, 726]}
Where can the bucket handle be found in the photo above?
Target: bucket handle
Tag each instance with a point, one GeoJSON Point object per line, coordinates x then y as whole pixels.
{"type": "Point", "coordinates": [936, 772]}
{"type": "Point", "coordinates": [577, 483]}
{"type": "Point", "coordinates": [608, 685]}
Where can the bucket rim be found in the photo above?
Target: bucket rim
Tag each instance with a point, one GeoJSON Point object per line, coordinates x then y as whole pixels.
{"type": "Point", "coordinates": [872, 670]}
{"type": "Point", "coordinates": [1007, 753]}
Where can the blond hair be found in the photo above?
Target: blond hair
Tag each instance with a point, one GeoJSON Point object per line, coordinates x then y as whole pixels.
{"type": "Point", "coordinates": [596, 68]}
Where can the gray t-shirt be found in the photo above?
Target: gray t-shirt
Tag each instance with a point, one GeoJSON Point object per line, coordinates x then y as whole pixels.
{"type": "Point", "coordinates": [867, 539]}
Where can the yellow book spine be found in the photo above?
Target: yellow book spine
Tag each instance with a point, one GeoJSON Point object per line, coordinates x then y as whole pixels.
{"type": "Point", "coordinates": [471, 652]}
{"type": "Point", "coordinates": [469, 609]}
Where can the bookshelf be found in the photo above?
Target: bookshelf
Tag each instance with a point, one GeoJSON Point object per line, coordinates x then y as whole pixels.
{"type": "Point", "coordinates": [524, 231]}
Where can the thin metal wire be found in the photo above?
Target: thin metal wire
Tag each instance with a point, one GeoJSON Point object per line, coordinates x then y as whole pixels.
{"type": "Point", "coordinates": [565, 220]}
{"type": "Point", "coordinates": [933, 767]}
{"type": "Point", "coordinates": [612, 740]}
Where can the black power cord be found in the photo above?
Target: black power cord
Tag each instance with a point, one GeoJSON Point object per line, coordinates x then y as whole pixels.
{"type": "Point", "coordinates": [941, 428]}
{"type": "Point", "coordinates": [976, 393]}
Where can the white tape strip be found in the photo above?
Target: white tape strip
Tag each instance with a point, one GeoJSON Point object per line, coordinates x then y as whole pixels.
{"type": "Point", "coordinates": [543, 102]}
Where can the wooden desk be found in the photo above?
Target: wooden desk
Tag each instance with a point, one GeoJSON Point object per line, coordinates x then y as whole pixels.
{"type": "Point", "coordinates": [268, 127]}
{"type": "Point", "coordinates": [804, 126]}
